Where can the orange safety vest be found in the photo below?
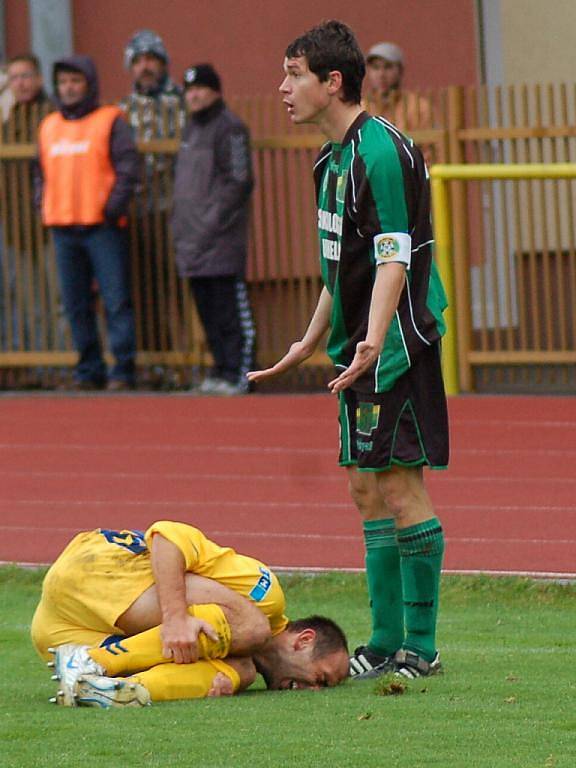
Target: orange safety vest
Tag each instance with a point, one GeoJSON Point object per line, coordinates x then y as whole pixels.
{"type": "Point", "coordinates": [78, 173]}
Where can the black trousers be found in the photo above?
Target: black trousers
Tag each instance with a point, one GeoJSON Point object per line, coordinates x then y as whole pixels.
{"type": "Point", "coordinates": [225, 312]}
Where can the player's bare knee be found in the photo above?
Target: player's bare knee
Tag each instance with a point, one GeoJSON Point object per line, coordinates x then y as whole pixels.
{"type": "Point", "coordinates": [403, 495]}
{"type": "Point", "coordinates": [364, 492]}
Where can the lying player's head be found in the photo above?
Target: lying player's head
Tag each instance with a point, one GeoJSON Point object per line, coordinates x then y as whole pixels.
{"type": "Point", "coordinates": [312, 653]}
{"type": "Point", "coordinates": [325, 50]}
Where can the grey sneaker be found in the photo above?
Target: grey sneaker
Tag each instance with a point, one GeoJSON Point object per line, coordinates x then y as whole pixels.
{"type": "Point", "coordinates": [208, 386]}
{"type": "Point", "coordinates": [107, 692]}
{"type": "Point", "coordinates": [70, 662]}
{"type": "Point", "coordinates": [226, 389]}
{"type": "Point", "coordinates": [410, 665]}
{"type": "Point", "coordinates": [365, 664]}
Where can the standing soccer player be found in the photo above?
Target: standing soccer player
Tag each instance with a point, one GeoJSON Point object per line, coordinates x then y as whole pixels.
{"type": "Point", "coordinates": [382, 301]}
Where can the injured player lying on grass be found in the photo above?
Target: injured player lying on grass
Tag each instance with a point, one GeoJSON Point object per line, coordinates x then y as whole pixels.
{"type": "Point", "coordinates": [133, 617]}
{"type": "Point", "coordinates": [309, 654]}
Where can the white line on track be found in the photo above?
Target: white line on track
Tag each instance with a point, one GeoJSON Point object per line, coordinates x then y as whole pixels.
{"type": "Point", "coordinates": [258, 449]}
{"type": "Point", "coordinates": [275, 504]}
{"type": "Point", "coordinates": [330, 476]}
{"type": "Point", "coordinates": [278, 535]}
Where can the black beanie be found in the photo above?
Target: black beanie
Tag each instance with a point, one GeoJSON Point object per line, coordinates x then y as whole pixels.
{"type": "Point", "coordinates": [202, 74]}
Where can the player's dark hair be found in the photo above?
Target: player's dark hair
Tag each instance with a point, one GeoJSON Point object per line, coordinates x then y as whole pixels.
{"type": "Point", "coordinates": [329, 637]}
{"type": "Point", "coordinates": [328, 47]}
{"type": "Point", "coordinates": [26, 58]}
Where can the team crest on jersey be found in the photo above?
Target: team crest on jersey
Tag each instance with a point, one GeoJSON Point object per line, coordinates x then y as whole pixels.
{"type": "Point", "coordinates": [367, 415]}
{"type": "Point", "coordinates": [387, 247]}
{"type": "Point", "coordinates": [341, 187]}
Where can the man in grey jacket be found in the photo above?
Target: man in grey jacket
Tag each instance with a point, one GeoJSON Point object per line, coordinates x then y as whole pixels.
{"type": "Point", "coordinates": [210, 226]}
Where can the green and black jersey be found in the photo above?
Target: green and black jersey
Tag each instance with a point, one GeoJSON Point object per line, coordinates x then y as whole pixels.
{"type": "Point", "coordinates": [374, 208]}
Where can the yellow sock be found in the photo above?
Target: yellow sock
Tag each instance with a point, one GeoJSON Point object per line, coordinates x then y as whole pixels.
{"type": "Point", "coordinates": [168, 682]}
{"type": "Point", "coordinates": [142, 651]}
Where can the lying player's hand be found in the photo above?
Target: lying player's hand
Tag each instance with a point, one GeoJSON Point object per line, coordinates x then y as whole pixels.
{"type": "Point", "coordinates": [365, 356]}
{"type": "Point", "coordinates": [297, 353]}
{"type": "Point", "coordinates": [180, 638]}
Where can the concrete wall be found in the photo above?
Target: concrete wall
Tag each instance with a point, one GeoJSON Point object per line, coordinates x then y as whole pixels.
{"type": "Point", "coordinates": [538, 41]}
{"type": "Point", "coordinates": [246, 39]}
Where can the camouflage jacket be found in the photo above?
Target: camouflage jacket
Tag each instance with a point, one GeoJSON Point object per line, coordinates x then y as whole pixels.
{"type": "Point", "coordinates": [161, 116]}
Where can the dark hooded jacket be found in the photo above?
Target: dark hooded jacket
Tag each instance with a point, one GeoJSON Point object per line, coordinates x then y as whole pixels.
{"type": "Point", "coordinates": [123, 153]}
{"type": "Point", "coordinates": [211, 195]}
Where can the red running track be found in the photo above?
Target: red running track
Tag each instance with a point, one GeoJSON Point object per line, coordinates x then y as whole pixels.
{"type": "Point", "coordinates": [259, 473]}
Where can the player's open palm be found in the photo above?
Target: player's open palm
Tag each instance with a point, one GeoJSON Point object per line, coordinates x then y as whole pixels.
{"type": "Point", "coordinates": [297, 353]}
{"type": "Point", "coordinates": [180, 638]}
{"type": "Point", "coordinates": [364, 357]}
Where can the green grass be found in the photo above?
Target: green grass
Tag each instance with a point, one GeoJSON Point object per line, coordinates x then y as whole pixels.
{"type": "Point", "coordinates": [508, 697]}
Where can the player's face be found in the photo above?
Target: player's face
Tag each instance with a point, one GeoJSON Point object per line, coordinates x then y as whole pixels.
{"type": "Point", "coordinates": [383, 75]}
{"type": "Point", "coordinates": [300, 670]}
{"type": "Point", "coordinates": [306, 98]}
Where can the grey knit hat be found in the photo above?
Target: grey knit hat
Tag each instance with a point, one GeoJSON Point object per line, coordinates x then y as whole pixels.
{"type": "Point", "coordinates": [145, 41]}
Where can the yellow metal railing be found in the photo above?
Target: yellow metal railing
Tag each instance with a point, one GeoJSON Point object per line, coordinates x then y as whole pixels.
{"type": "Point", "coordinates": [457, 355]}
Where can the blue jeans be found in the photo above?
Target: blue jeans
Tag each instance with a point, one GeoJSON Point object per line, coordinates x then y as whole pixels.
{"type": "Point", "coordinates": [101, 252]}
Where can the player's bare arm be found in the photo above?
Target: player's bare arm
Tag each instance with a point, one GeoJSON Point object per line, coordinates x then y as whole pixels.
{"type": "Point", "coordinates": [303, 349]}
{"type": "Point", "coordinates": [179, 630]}
{"type": "Point", "coordinates": [249, 627]}
{"type": "Point", "coordinates": [388, 286]}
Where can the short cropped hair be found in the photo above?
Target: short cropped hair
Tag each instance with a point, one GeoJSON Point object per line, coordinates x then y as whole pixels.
{"type": "Point", "coordinates": [27, 58]}
{"type": "Point", "coordinates": [328, 47]}
{"type": "Point", "coordinates": [329, 637]}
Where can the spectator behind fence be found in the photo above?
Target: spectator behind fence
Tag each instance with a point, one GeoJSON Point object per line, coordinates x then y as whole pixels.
{"type": "Point", "coordinates": [384, 74]}
{"type": "Point", "coordinates": [210, 227]}
{"type": "Point", "coordinates": [20, 299]}
{"type": "Point", "coordinates": [6, 95]}
{"type": "Point", "coordinates": [88, 172]}
{"type": "Point", "coordinates": [30, 99]}
{"type": "Point", "coordinates": [155, 110]}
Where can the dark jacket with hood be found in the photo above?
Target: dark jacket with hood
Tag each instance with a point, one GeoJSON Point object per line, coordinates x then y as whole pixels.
{"type": "Point", "coordinates": [123, 153]}
{"type": "Point", "coordinates": [211, 195]}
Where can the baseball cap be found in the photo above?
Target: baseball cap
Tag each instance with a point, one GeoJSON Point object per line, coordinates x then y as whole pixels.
{"type": "Point", "coordinates": [389, 51]}
{"type": "Point", "coordinates": [145, 41]}
{"type": "Point", "coordinates": [202, 74]}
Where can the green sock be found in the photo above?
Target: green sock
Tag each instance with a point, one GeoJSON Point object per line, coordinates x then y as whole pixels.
{"type": "Point", "coordinates": [384, 586]}
{"type": "Point", "coordinates": [421, 548]}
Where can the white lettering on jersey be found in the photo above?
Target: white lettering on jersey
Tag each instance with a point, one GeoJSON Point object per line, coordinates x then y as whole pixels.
{"type": "Point", "coordinates": [66, 147]}
{"type": "Point", "coordinates": [331, 250]}
{"type": "Point", "coordinates": [329, 222]}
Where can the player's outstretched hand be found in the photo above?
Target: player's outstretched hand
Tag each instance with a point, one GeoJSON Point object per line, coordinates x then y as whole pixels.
{"type": "Point", "coordinates": [180, 638]}
{"type": "Point", "coordinates": [365, 356]}
{"type": "Point", "coordinates": [297, 353]}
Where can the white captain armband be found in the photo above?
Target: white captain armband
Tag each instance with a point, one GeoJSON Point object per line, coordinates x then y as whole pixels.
{"type": "Point", "coordinates": [392, 246]}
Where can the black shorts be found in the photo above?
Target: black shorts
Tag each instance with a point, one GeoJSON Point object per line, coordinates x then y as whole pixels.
{"type": "Point", "coordinates": [407, 426]}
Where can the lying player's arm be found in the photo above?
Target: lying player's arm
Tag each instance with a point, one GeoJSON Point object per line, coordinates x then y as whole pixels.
{"type": "Point", "coordinates": [303, 349]}
{"type": "Point", "coordinates": [388, 285]}
{"type": "Point", "coordinates": [179, 630]}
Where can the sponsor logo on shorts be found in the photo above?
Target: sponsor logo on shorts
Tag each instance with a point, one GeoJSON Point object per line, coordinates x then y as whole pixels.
{"type": "Point", "coordinates": [367, 415]}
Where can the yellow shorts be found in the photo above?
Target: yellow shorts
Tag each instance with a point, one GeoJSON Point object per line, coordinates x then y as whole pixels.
{"type": "Point", "coordinates": [89, 586]}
